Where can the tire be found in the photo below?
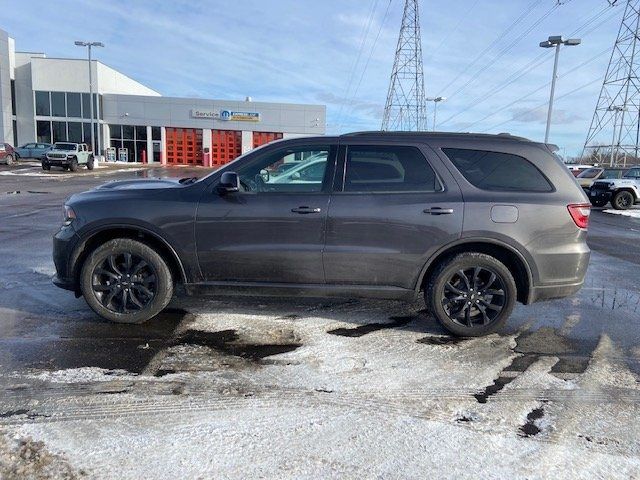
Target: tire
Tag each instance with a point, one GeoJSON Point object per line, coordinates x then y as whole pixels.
{"type": "Point", "coordinates": [598, 203]}
{"type": "Point", "coordinates": [73, 166]}
{"type": "Point", "coordinates": [448, 312]}
{"type": "Point", "coordinates": [622, 200]}
{"type": "Point", "coordinates": [46, 166]}
{"type": "Point", "coordinates": [9, 159]}
{"type": "Point", "coordinates": [90, 164]}
{"type": "Point", "coordinates": [129, 303]}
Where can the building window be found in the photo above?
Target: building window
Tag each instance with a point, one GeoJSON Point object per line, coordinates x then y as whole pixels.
{"type": "Point", "coordinates": [127, 132]}
{"type": "Point", "coordinates": [75, 132]}
{"type": "Point", "coordinates": [13, 97]}
{"type": "Point", "coordinates": [156, 133]}
{"type": "Point", "coordinates": [141, 133]}
{"type": "Point", "coordinates": [74, 105]}
{"type": "Point", "coordinates": [58, 108]}
{"type": "Point", "coordinates": [59, 130]}
{"type": "Point", "coordinates": [115, 131]}
{"type": "Point", "coordinates": [43, 106]}
{"type": "Point", "coordinates": [43, 130]}
{"type": "Point", "coordinates": [86, 106]}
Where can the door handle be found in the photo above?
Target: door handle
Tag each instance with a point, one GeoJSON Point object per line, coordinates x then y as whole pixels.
{"type": "Point", "coordinates": [438, 211]}
{"type": "Point", "coordinates": [305, 210]}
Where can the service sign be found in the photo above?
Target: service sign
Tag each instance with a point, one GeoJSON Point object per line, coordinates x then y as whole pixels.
{"type": "Point", "coordinates": [204, 114]}
{"type": "Point", "coordinates": [239, 116]}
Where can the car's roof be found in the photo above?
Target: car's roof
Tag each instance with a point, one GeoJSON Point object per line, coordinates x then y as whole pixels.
{"type": "Point", "coordinates": [438, 135]}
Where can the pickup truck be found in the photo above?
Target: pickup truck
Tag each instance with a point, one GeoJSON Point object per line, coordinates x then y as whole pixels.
{"type": "Point", "coordinates": [68, 156]}
{"type": "Point", "coordinates": [623, 192]}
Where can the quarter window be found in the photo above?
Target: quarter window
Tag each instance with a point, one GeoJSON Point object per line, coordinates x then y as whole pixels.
{"type": "Point", "coordinates": [498, 171]}
{"type": "Point", "coordinates": [388, 169]}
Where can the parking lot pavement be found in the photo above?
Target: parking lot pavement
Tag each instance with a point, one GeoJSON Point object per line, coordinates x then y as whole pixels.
{"type": "Point", "coordinates": [263, 387]}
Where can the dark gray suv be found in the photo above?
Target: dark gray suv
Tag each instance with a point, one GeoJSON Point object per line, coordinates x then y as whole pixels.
{"type": "Point", "coordinates": [476, 222]}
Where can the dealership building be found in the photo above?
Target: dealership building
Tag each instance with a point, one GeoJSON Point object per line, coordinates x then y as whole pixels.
{"type": "Point", "coordinates": [46, 99]}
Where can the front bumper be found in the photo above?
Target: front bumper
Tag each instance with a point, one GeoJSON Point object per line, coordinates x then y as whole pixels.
{"type": "Point", "coordinates": [599, 195]}
{"type": "Point", "coordinates": [57, 161]}
{"type": "Point", "coordinates": [64, 243]}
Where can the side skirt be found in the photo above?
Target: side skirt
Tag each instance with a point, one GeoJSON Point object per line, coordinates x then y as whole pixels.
{"type": "Point", "coordinates": [300, 290]}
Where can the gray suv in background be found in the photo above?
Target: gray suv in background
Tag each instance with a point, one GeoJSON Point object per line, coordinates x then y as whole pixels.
{"type": "Point", "coordinates": [475, 223]}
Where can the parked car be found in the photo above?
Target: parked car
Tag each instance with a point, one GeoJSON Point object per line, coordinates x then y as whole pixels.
{"type": "Point", "coordinates": [33, 150]}
{"type": "Point", "coordinates": [7, 153]}
{"type": "Point", "coordinates": [68, 156]}
{"type": "Point", "coordinates": [623, 193]}
{"type": "Point", "coordinates": [587, 177]}
{"type": "Point", "coordinates": [576, 169]}
{"type": "Point", "coordinates": [474, 222]}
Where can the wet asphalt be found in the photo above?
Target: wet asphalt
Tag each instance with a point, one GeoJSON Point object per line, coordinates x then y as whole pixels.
{"type": "Point", "coordinates": [45, 328]}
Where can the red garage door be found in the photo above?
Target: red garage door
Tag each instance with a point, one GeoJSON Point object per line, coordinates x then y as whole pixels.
{"type": "Point", "coordinates": [226, 145]}
{"type": "Point", "coordinates": [184, 146]}
{"type": "Point", "coordinates": [260, 138]}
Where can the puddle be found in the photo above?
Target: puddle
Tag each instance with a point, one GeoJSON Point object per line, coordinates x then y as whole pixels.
{"type": "Point", "coordinates": [361, 330]}
{"type": "Point", "coordinates": [441, 340]}
{"type": "Point", "coordinates": [530, 428]}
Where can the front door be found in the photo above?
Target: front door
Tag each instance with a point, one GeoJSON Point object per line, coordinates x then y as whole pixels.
{"type": "Point", "coordinates": [390, 213]}
{"type": "Point", "coordinates": [273, 229]}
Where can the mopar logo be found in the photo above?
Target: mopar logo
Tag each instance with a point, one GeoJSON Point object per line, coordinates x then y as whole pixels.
{"type": "Point", "coordinates": [225, 114]}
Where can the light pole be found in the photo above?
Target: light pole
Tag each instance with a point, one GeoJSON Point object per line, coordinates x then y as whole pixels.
{"type": "Point", "coordinates": [616, 109]}
{"type": "Point", "coordinates": [555, 41]}
{"type": "Point", "coordinates": [89, 45]}
{"type": "Point", "coordinates": [435, 101]}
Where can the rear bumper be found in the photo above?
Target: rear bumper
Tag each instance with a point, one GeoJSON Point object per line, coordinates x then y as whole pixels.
{"type": "Point", "coordinates": [549, 292]}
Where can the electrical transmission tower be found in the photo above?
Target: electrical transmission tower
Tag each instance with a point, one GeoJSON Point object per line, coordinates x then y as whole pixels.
{"type": "Point", "coordinates": [406, 107]}
{"type": "Point", "coordinates": [615, 127]}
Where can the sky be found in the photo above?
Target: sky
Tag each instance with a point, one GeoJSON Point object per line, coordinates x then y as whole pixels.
{"type": "Point", "coordinates": [482, 55]}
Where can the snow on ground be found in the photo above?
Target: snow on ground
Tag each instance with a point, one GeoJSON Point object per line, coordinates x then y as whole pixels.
{"type": "Point", "coordinates": [626, 213]}
{"type": "Point", "coordinates": [366, 390]}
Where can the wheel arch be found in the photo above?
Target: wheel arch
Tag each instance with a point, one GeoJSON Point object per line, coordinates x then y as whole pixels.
{"type": "Point", "coordinates": [507, 254]}
{"type": "Point", "coordinates": [141, 234]}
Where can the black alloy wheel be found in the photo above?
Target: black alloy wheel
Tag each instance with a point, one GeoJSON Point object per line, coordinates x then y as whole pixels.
{"type": "Point", "coordinates": [124, 283]}
{"type": "Point", "coordinates": [622, 200]}
{"type": "Point", "coordinates": [473, 296]}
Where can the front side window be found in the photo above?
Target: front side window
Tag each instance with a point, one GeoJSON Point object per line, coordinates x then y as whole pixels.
{"type": "Point", "coordinates": [633, 173]}
{"type": "Point", "coordinates": [498, 171]}
{"type": "Point", "coordinates": [388, 169]}
{"type": "Point", "coordinates": [290, 170]}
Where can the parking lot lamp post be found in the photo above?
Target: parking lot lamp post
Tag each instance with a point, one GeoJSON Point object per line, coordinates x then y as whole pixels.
{"type": "Point", "coordinates": [555, 41]}
{"type": "Point", "coordinates": [435, 101]}
{"type": "Point", "coordinates": [89, 45]}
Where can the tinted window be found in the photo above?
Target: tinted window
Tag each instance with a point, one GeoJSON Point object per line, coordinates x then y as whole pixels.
{"type": "Point", "coordinates": [58, 108]}
{"type": "Point", "coordinates": [42, 104]}
{"type": "Point", "coordinates": [43, 129]}
{"type": "Point", "coordinates": [612, 174]}
{"type": "Point", "coordinates": [388, 169]}
{"type": "Point", "coordinates": [590, 173]}
{"type": "Point", "coordinates": [59, 131]}
{"type": "Point", "coordinates": [633, 173]}
{"type": "Point", "coordinates": [498, 171]}
{"type": "Point", "coordinates": [74, 104]}
{"type": "Point", "coordinates": [86, 106]}
{"type": "Point", "coordinates": [75, 132]}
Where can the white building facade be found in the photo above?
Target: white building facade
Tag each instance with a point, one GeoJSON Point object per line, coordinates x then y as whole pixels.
{"type": "Point", "coordinates": [46, 99]}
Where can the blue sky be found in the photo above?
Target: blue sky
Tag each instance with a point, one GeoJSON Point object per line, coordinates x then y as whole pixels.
{"type": "Point", "coordinates": [305, 51]}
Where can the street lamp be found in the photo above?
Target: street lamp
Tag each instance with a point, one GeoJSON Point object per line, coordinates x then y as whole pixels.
{"type": "Point", "coordinates": [555, 41]}
{"type": "Point", "coordinates": [435, 101]}
{"type": "Point", "coordinates": [89, 45]}
{"type": "Point", "coordinates": [616, 109]}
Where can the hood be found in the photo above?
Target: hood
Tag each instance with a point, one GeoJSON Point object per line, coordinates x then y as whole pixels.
{"type": "Point", "coordinates": [141, 184]}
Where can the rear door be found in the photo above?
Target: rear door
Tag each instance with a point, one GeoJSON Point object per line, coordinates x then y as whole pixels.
{"type": "Point", "coordinates": [393, 207]}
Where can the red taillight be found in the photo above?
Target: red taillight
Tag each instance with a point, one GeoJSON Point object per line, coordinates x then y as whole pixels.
{"type": "Point", "coordinates": [580, 214]}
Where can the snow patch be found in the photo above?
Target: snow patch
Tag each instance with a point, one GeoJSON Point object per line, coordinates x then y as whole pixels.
{"type": "Point", "coordinates": [624, 213]}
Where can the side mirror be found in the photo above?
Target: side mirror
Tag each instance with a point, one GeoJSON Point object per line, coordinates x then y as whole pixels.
{"type": "Point", "coordinates": [229, 183]}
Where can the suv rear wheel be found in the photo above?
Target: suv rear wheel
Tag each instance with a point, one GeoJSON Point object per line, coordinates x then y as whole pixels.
{"type": "Point", "coordinates": [126, 281]}
{"type": "Point", "coordinates": [73, 166]}
{"type": "Point", "coordinates": [622, 200]}
{"type": "Point", "coordinates": [471, 294]}
{"type": "Point", "coordinates": [90, 164]}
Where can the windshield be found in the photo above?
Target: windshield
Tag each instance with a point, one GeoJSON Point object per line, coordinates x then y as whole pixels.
{"type": "Point", "coordinates": [590, 173]}
{"type": "Point", "coordinates": [64, 146]}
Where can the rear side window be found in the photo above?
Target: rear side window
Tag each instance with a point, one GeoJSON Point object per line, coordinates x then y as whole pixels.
{"type": "Point", "coordinates": [498, 171]}
{"type": "Point", "coordinates": [388, 169]}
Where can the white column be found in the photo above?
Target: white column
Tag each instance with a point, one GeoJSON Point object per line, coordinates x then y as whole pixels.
{"type": "Point", "coordinates": [206, 142]}
{"type": "Point", "coordinates": [149, 146]}
{"type": "Point", "coordinates": [163, 145]}
{"type": "Point", "coordinates": [247, 141]}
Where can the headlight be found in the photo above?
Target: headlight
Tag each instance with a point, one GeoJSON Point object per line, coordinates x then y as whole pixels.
{"type": "Point", "coordinates": [69, 215]}
{"type": "Point", "coordinates": [69, 156]}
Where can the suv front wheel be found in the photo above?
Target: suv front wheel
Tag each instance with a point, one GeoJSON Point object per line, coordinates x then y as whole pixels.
{"type": "Point", "coordinates": [471, 294]}
{"type": "Point", "coordinates": [126, 281]}
{"type": "Point", "coordinates": [622, 200]}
